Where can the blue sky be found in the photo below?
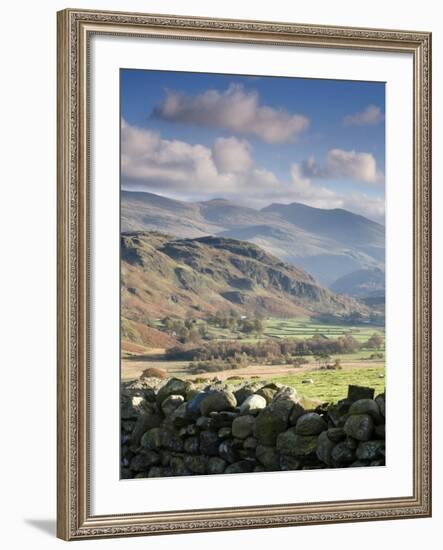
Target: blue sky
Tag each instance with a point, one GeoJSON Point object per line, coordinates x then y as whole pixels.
{"type": "Point", "coordinates": [255, 140]}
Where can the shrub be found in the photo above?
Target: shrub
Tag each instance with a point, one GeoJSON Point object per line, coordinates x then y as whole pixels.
{"type": "Point", "coordinates": [154, 372]}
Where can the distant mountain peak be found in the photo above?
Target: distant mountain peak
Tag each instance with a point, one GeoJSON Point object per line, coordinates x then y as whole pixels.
{"type": "Point", "coordinates": [329, 243]}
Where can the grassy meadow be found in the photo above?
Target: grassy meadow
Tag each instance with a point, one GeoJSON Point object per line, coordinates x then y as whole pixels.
{"type": "Point", "coordinates": [364, 366]}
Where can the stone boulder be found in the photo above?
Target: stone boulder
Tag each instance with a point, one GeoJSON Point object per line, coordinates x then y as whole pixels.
{"type": "Point", "coordinates": [310, 424]}
{"type": "Point", "coordinates": [197, 464]}
{"type": "Point", "coordinates": [324, 448]}
{"type": "Point", "coordinates": [193, 406]}
{"type": "Point", "coordinates": [162, 438]}
{"type": "Point", "coordinates": [218, 400]}
{"type": "Point", "coordinates": [273, 420]}
{"type": "Point", "coordinates": [253, 404]}
{"type": "Point", "coordinates": [171, 403]}
{"type": "Point", "coordinates": [359, 426]}
{"type": "Point", "coordinates": [243, 426]}
{"type": "Point", "coordinates": [292, 444]}
{"type": "Point", "coordinates": [216, 465]}
{"type": "Point", "coordinates": [209, 443]}
{"type": "Point", "coordinates": [371, 450]}
{"type": "Point", "coordinates": [342, 455]}
{"type": "Point", "coordinates": [268, 457]}
{"type": "Point", "coordinates": [267, 392]}
{"type": "Point", "coordinates": [367, 406]}
{"type": "Point", "coordinates": [174, 386]}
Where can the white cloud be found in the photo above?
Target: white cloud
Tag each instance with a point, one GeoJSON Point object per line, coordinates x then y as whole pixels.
{"type": "Point", "coordinates": [197, 172]}
{"type": "Point", "coordinates": [371, 116]}
{"type": "Point", "coordinates": [344, 164]}
{"type": "Point", "coordinates": [307, 192]}
{"type": "Point", "coordinates": [236, 110]}
{"type": "Point", "coordinates": [232, 155]}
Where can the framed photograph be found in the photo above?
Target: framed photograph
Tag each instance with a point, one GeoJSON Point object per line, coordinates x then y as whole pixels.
{"type": "Point", "coordinates": [244, 320]}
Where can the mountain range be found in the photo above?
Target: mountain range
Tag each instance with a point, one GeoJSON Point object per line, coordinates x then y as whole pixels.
{"type": "Point", "coordinates": [162, 275]}
{"type": "Point", "coordinates": [335, 246]}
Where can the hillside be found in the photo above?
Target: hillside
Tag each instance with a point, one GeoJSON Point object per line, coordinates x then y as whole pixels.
{"type": "Point", "coordinates": [365, 283]}
{"type": "Point", "coordinates": [162, 276]}
{"type": "Point", "coordinates": [329, 244]}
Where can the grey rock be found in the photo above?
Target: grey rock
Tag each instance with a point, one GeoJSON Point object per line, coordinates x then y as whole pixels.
{"type": "Point", "coordinates": [310, 424]}
{"type": "Point", "coordinates": [162, 438]}
{"type": "Point", "coordinates": [268, 457]}
{"type": "Point", "coordinates": [224, 433]}
{"type": "Point", "coordinates": [243, 426]}
{"type": "Point", "coordinates": [191, 429]}
{"type": "Point", "coordinates": [145, 422]}
{"type": "Point", "coordinates": [197, 464]}
{"type": "Point", "coordinates": [204, 423]}
{"type": "Point", "coordinates": [336, 434]}
{"type": "Point", "coordinates": [191, 445]}
{"type": "Point", "coordinates": [179, 417]}
{"type": "Point", "coordinates": [324, 448]}
{"type": "Point", "coordinates": [243, 392]}
{"type": "Point", "coordinates": [253, 404]}
{"type": "Point", "coordinates": [171, 403]}
{"type": "Point", "coordinates": [157, 471]}
{"type": "Point", "coordinates": [367, 406]}
{"type": "Point", "coordinates": [287, 393]}
{"type": "Point", "coordinates": [273, 420]}
{"type": "Point", "coordinates": [290, 463]}
{"type": "Point", "coordinates": [342, 455]}
{"type": "Point", "coordinates": [126, 473]}
{"type": "Point", "coordinates": [296, 413]}
{"type": "Point", "coordinates": [268, 393]}
{"type": "Point", "coordinates": [152, 439]}
{"type": "Point", "coordinates": [381, 402]}
{"type": "Point", "coordinates": [337, 412]}
{"type": "Point", "coordinates": [218, 401]}
{"type": "Point", "coordinates": [216, 465]}
{"type": "Point", "coordinates": [174, 386]}
{"type": "Point", "coordinates": [250, 443]}
{"type": "Point", "coordinates": [351, 442]}
{"type": "Point", "coordinates": [292, 444]}
{"type": "Point", "coordinates": [209, 443]}
{"type": "Point", "coordinates": [227, 451]}
{"type": "Point", "coordinates": [359, 426]}
{"type": "Point", "coordinates": [178, 467]}
{"type": "Point", "coordinates": [193, 406]}
{"type": "Point", "coordinates": [371, 450]}
{"type": "Point", "coordinates": [221, 419]}
{"type": "Point", "coordinates": [144, 460]}
{"type": "Point", "coordinates": [127, 426]}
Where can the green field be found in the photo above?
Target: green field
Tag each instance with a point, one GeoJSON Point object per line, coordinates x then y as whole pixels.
{"type": "Point", "coordinates": [331, 386]}
{"type": "Point", "coordinates": [364, 367]}
{"type": "Point", "coordinates": [299, 327]}
{"type": "Point", "coordinates": [306, 328]}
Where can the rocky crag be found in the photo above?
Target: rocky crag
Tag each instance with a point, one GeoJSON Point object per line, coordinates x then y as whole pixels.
{"type": "Point", "coordinates": [175, 427]}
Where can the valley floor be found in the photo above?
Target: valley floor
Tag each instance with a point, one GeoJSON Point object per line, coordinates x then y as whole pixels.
{"type": "Point", "coordinates": [309, 380]}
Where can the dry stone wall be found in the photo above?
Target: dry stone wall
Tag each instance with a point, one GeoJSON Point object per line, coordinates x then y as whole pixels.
{"type": "Point", "coordinates": [176, 428]}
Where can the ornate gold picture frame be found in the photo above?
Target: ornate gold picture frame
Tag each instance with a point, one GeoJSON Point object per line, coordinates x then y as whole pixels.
{"type": "Point", "coordinates": [75, 30]}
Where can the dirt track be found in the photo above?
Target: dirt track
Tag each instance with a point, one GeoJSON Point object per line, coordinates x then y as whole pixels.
{"type": "Point", "coordinates": [132, 369]}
